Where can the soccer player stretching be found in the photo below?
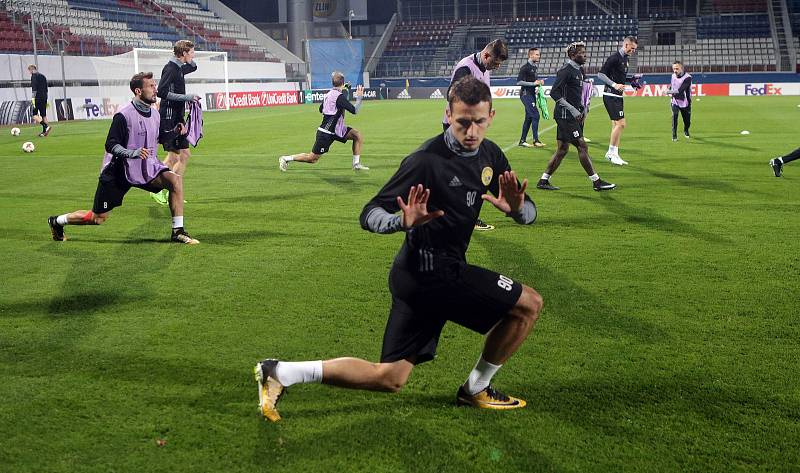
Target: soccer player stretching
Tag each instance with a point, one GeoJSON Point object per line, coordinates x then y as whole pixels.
{"type": "Point", "coordinates": [332, 127]}
{"type": "Point", "coordinates": [614, 75]}
{"type": "Point", "coordinates": [570, 114]}
{"type": "Point", "coordinates": [172, 92]}
{"type": "Point", "coordinates": [131, 161]}
{"type": "Point", "coordinates": [777, 163]}
{"type": "Point", "coordinates": [445, 181]}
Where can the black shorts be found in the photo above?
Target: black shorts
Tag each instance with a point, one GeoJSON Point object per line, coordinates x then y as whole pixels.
{"type": "Point", "coordinates": [614, 107]}
{"type": "Point", "coordinates": [40, 108]}
{"type": "Point", "coordinates": [569, 130]}
{"type": "Point", "coordinates": [468, 295]}
{"type": "Point", "coordinates": [173, 141]}
{"type": "Point", "coordinates": [111, 189]}
{"type": "Point", "coordinates": [324, 141]}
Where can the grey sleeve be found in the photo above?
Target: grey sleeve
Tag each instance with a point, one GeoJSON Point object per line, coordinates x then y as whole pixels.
{"type": "Point", "coordinates": [526, 215]}
{"type": "Point", "coordinates": [358, 104]}
{"type": "Point", "coordinates": [379, 220]}
{"type": "Point", "coordinates": [574, 111]}
{"type": "Point", "coordinates": [120, 151]}
{"type": "Point", "coordinates": [526, 83]}
{"type": "Point", "coordinates": [605, 79]}
{"type": "Point", "coordinates": [179, 97]}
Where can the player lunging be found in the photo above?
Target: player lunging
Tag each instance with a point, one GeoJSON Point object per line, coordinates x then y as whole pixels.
{"type": "Point", "coordinates": [445, 181]}
{"type": "Point", "coordinates": [332, 127]}
{"type": "Point", "coordinates": [131, 161]}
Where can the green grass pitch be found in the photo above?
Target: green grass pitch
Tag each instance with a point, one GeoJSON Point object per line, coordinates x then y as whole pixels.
{"type": "Point", "coordinates": [668, 341]}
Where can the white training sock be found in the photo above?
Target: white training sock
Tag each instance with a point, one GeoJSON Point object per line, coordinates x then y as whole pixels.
{"type": "Point", "coordinates": [288, 158]}
{"type": "Point", "coordinates": [177, 222]}
{"type": "Point", "coordinates": [481, 376]}
{"type": "Point", "coordinates": [62, 220]}
{"type": "Point", "coordinates": [356, 159]}
{"type": "Point", "coordinates": [594, 177]}
{"type": "Point", "coordinates": [292, 372]}
{"type": "Point", "coordinates": [613, 149]}
{"type": "Point", "coordinates": [545, 176]}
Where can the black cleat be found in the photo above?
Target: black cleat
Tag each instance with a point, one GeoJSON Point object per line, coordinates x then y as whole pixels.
{"type": "Point", "coordinates": [544, 184]}
{"type": "Point", "coordinates": [777, 166]}
{"type": "Point", "coordinates": [674, 137]}
{"type": "Point", "coordinates": [601, 185]}
{"type": "Point", "coordinates": [56, 230]}
{"type": "Point", "coordinates": [179, 235]}
{"type": "Point", "coordinates": [686, 134]}
{"type": "Point", "coordinates": [483, 226]}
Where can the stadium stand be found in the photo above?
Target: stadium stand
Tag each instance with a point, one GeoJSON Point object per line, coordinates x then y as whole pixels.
{"type": "Point", "coordinates": [104, 27]}
{"type": "Point", "coordinates": [729, 42]}
{"type": "Point", "coordinates": [733, 26]}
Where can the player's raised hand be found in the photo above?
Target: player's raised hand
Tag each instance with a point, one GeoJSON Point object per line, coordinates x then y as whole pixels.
{"type": "Point", "coordinates": [360, 91]}
{"type": "Point", "coordinates": [510, 196]}
{"type": "Point", "coordinates": [415, 212]}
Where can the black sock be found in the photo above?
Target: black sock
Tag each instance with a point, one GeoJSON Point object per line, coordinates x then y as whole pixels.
{"type": "Point", "coordinates": [44, 126]}
{"type": "Point", "coordinates": [791, 156]}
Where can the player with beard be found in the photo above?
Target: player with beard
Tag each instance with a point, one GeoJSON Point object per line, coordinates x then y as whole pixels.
{"type": "Point", "coordinates": [131, 160]}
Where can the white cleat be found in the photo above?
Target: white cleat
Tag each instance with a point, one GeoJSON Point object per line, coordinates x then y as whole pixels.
{"type": "Point", "coordinates": [283, 164]}
{"type": "Point", "coordinates": [615, 159]}
{"type": "Point", "coordinates": [360, 167]}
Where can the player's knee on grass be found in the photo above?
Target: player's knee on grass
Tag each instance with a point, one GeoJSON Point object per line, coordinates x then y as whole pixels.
{"type": "Point", "coordinates": [528, 306]}
{"type": "Point", "coordinates": [393, 376]}
{"type": "Point", "coordinates": [314, 158]}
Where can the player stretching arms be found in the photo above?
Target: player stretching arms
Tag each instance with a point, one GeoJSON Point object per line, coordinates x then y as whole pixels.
{"type": "Point", "coordinates": [446, 181]}
{"type": "Point", "coordinates": [570, 113]}
{"type": "Point", "coordinates": [131, 161]}
{"type": "Point", "coordinates": [332, 127]}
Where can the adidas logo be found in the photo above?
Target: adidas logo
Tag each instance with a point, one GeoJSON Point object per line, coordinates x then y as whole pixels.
{"type": "Point", "coordinates": [437, 94]}
{"type": "Point", "coordinates": [455, 182]}
{"type": "Point", "coordinates": [404, 94]}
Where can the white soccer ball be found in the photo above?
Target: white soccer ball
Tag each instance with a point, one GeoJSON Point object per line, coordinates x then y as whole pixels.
{"type": "Point", "coordinates": [28, 147]}
{"type": "Point", "coordinates": [15, 131]}
{"type": "Point", "coordinates": [745, 132]}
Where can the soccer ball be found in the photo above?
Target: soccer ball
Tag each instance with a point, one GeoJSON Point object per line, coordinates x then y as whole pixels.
{"type": "Point", "coordinates": [15, 131]}
{"type": "Point", "coordinates": [28, 147]}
